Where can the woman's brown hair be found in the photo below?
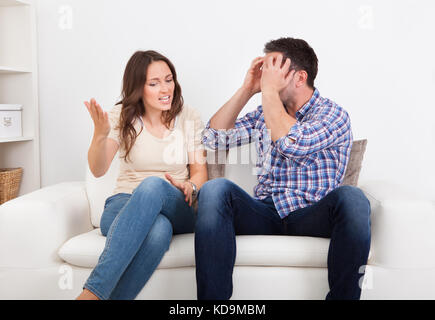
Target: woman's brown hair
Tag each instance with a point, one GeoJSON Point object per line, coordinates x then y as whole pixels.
{"type": "Point", "coordinates": [132, 97]}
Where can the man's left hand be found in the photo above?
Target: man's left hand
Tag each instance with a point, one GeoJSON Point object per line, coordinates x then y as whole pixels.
{"type": "Point", "coordinates": [274, 76]}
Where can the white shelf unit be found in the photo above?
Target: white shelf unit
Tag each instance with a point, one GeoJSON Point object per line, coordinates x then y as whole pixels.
{"type": "Point", "coordinates": [19, 85]}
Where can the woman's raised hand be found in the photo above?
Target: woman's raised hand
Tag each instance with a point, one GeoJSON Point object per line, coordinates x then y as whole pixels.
{"type": "Point", "coordinates": [100, 118]}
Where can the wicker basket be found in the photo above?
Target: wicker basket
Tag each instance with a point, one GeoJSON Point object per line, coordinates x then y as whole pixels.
{"type": "Point", "coordinates": [10, 180]}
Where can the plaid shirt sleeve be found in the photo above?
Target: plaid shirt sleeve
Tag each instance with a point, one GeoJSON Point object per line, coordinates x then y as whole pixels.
{"type": "Point", "coordinates": [326, 129]}
{"type": "Point", "coordinates": [242, 133]}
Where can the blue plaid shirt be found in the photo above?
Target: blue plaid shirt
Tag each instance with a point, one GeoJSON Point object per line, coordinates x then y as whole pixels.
{"type": "Point", "coordinates": [300, 173]}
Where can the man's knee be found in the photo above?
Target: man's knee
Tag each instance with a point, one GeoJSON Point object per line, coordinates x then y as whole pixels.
{"type": "Point", "coordinates": [215, 189]}
{"type": "Point", "coordinates": [353, 207]}
{"type": "Point", "coordinates": [213, 196]}
{"type": "Point", "coordinates": [353, 197]}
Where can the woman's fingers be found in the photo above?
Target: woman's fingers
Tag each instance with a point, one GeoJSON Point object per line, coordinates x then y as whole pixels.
{"type": "Point", "coordinates": [169, 178]}
{"type": "Point", "coordinates": [97, 113]}
{"type": "Point", "coordinates": [91, 111]}
{"type": "Point", "coordinates": [182, 187]}
{"type": "Point", "coordinates": [91, 107]}
{"type": "Point", "coordinates": [95, 109]}
{"type": "Point", "coordinates": [172, 181]}
{"type": "Point", "coordinates": [88, 107]}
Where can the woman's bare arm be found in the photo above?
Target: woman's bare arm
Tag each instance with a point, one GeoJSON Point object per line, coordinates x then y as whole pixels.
{"type": "Point", "coordinates": [102, 149]}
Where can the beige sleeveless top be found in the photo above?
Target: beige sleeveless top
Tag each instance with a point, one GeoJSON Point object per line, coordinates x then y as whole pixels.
{"type": "Point", "coordinates": [151, 156]}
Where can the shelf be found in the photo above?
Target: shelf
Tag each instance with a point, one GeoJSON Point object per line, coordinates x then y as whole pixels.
{"type": "Point", "coordinates": [16, 139]}
{"type": "Point", "coordinates": [8, 3]}
{"type": "Point", "coordinates": [6, 70]}
{"type": "Point", "coordinates": [19, 85]}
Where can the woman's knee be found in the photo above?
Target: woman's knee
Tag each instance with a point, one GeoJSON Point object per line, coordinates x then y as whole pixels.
{"type": "Point", "coordinates": [105, 224]}
{"type": "Point", "coordinates": [160, 234]}
{"type": "Point", "coordinates": [112, 207]}
{"type": "Point", "coordinates": [152, 185]}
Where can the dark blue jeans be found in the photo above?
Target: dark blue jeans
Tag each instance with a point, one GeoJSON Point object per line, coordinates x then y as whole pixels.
{"type": "Point", "coordinates": [225, 210]}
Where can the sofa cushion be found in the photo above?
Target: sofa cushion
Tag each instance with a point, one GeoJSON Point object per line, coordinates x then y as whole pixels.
{"type": "Point", "coordinates": [353, 168]}
{"type": "Point", "coordinates": [288, 251]}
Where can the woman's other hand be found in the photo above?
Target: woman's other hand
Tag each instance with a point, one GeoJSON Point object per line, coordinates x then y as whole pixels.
{"type": "Point", "coordinates": [184, 187]}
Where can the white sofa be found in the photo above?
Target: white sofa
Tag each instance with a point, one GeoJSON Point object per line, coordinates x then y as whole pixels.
{"type": "Point", "coordinates": [50, 241]}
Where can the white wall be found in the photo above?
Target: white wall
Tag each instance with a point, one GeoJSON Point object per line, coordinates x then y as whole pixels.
{"type": "Point", "coordinates": [375, 59]}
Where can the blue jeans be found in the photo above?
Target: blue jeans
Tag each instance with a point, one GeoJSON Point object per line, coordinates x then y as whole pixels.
{"type": "Point", "coordinates": [139, 228]}
{"type": "Point", "coordinates": [225, 210]}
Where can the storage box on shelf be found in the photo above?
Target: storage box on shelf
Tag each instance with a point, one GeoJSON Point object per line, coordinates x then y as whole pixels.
{"type": "Point", "coordinates": [10, 121]}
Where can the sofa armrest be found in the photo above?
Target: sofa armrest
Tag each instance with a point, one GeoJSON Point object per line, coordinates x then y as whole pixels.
{"type": "Point", "coordinates": [402, 224]}
{"type": "Point", "coordinates": [34, 226]}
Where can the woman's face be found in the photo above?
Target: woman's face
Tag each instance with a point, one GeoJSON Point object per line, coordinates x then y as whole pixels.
{"type": "Point", "coordinates": [159, 87]}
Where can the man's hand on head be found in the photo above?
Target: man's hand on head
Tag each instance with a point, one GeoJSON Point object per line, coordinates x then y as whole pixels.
{"type": "Point", "coordinates": [252, 83]}
{"type": "Point", "coordinates": [275, 75]}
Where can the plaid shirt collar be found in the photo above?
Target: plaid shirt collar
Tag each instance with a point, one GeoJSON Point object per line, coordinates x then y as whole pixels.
{"type": "Point", "coordinates": [306, 107]}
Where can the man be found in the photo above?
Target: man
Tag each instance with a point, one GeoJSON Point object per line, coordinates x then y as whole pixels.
{"type": "Point", "coordinates": [303, 144]}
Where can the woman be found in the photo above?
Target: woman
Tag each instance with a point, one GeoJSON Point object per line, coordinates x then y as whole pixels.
{"type": "Point", "coordinates": [162, 168]}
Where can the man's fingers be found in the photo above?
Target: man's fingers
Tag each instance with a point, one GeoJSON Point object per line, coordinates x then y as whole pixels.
{"type": "Point", "coordinates": [268, 62]}
{"type": "Point", "coordinates": [290, 74]}
{"type": "Point", "coordinates": [286, 65]}
{"type": "Point", "coordinates": [256, 64]}
{"type": "Point", "coordinates": [257, 61]}
{"type": "Point", "coordinates": [287, 71]}
{"type": "Point", "coordinates": [278, 61]}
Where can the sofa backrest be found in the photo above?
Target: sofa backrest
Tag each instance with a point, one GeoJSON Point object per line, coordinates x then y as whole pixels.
{"type": "Point", "coordinates": [99, 189]}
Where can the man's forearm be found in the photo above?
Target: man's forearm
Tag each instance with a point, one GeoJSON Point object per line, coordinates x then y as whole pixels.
{"type": "Point", "coordinates": [226, 116]}
{"type": "Point", "coordinates": [275, 116]}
